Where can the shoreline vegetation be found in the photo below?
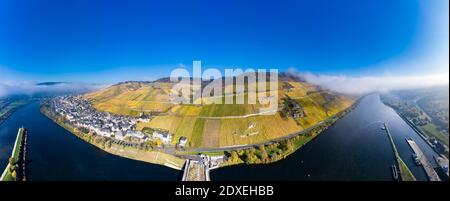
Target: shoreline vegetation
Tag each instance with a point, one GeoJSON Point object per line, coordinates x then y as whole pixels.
{"type": "Point", "coordinates": [146, 154]}
{"type": "Point", "coordinates": [300, 106]}
{"type": "Point", "coordinates": [421, 123]}
{"type": "Point", "coordinates": [13, 170]}
{"type": "Point", "coordinates": [7, 109]}
{"type": "Point", "coordinates": [405, 172]}
{"type": "Point", "coordinates": [269, 152]}
{"type": "Point", "coordinates": [274, 151]}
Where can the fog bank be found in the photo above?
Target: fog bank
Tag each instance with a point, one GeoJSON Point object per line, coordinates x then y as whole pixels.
{"type": "Point", "coordinates": [367, 84]}
{"type": "Point", "coordinates": [30, 89]}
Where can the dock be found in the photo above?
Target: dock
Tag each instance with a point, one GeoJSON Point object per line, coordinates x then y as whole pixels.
{"type": "Point", "coordinates": [442, 161]}
{"type": "Point", "coordinates": [431, 173]}
{"type": "Point", "coordinates": [395, 173]}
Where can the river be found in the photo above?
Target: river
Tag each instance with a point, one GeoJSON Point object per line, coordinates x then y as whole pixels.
{"type": "Point", "coordinates": [355, 148]}
{"type": "Point", "coordinates": [56, 154]}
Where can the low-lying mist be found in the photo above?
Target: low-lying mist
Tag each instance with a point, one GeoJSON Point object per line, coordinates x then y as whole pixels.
{"type": "Point", "coordinates": [50, 88]}
{"type": "Point", "coordinates": [367, 84]}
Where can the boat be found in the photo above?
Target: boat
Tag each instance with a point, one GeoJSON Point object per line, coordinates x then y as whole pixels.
{"type": "Point", "coordinates": [395, 172]}
{"type": "Point", "coordinates": [416, 159]}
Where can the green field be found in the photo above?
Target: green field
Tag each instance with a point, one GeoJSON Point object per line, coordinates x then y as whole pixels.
{"type": "Point", "coordinates": [430, 130]}
{"type": "Point", "coordinates": [405, 172]}
{"type": "Point", "coordinates": [197, 133]}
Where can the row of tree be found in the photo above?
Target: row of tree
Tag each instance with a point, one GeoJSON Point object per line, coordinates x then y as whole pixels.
{"type": "Point", "coordinates": [13, 168]}
{"type": "Point", "coordinates": [275, 151]}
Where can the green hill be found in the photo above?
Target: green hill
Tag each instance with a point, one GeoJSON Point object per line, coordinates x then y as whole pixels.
{"type": "Point", "coordinates": [220, 125]}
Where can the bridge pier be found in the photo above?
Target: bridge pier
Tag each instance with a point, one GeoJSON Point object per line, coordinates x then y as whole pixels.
{"type": "Point", "coordinates": [196, 170]}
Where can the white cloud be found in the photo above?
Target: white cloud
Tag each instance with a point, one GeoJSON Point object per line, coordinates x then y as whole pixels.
{"type": "Point", "coordinates": [367, 84]}
{"type": "Point", "coordinates": [26, 88]}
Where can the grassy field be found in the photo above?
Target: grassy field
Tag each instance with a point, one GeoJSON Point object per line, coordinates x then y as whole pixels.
{"type": "Point", "coordinates": [15, 155]}
{"type": "Point", "coordinates": [211, 131]}
{"type": "Point", "coordinates": [16, 151]}
{"type": "Point", "coordinates": [430, 130]}
{"type": "Point", "coordinates": [132, 98]}
{"type": "Point", "coordinates": [405, 172]}
{"type": "Point", "coordinates": [255, 129]}
{"type": "Point", "coordinates": [220, 125]}
{"type": "Point", "coordinates": [150, 156]}
{"type": "Point", "coordinates": [197, 133]}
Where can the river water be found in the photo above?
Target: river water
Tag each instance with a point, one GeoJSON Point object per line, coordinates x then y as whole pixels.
{"type": "Point", "coordinates": [355, 148]}
{"type": "Point", "coordinates": [56, 154]}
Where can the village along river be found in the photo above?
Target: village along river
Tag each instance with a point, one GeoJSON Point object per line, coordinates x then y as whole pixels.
{"type": "Point", "coordinates": [56, 154]}
{"type": "Point", "coordinates": [355, 148]}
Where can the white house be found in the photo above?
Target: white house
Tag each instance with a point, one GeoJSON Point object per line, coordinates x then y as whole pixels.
{"type": "Point", "coordinates": [166, 138]}
{"type": "Point", "coordinates": [119, 135]}
{"type": "Point", "coordinates": [182, 142]}
{"type": "Point", "coordinates": [104, 132]}
{"type": "Point", "coordinates": [136, 134]}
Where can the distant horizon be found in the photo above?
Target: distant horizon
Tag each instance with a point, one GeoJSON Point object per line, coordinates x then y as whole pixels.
{"type": "Point", "coordinates": [87, 40]}
{"type": "Point", "coordinates": [342, 43]}
{"type": "Point", "coordinates": [341, 84]}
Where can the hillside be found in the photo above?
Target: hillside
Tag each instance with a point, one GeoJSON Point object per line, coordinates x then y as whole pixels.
{"type": "Point", "coordinates": [220, 125]}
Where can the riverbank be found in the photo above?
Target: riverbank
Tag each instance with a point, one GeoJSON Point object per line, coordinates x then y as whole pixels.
{"type": "Point", "coordinates": [422, 134]}
{"type": "Point", "coordinates": [281, 147]}
{"type": "Point", "coordinates": [14, 171]}
{"type": "Point", "coordinates": [419, 130]}
{"type": "Point", "coordinates": [150, 156]}
{"type": "Point", "coordinates": [10, 108]}
{"type": "Point", "coordinates": [278, 149]}
{"type": "Point", "coordinates": [405, 172]}
{"type": "Point", "coordinates": [353, 149]}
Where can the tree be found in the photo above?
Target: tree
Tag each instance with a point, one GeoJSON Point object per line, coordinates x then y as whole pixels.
{"type": "Point", "coordinates": [14, 174]}
{"type": "Point", "coordinates": [264, 155]}
{"type": "Point", "coordinates": [108, 143]}
{"type": "Point", "coordinates": [158, 142]}
{"type": "Point", "coordinates": [251, 158]}
{"type": "Point", "coordinates": [12, 162]}
{"type": "Point", "coordinates": [274, 157]}
{"type": "Point", "coordinates": [98, 140]}
{"type": "Point", "coordinates": [234, 158]}
{"type": "Point", "coordinates": [12, 168]}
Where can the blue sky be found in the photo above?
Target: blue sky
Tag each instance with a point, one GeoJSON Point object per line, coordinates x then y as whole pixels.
{"type": "Point", "coordinates": [109, 41]}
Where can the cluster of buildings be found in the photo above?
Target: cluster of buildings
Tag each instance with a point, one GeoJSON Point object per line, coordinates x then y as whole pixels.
{"type": "Point", "coordinates": [79, 113]}
{"type": "Point", "coordinates": [166, 138]}
{"type": "Point", "coordinates": [290, 108]}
